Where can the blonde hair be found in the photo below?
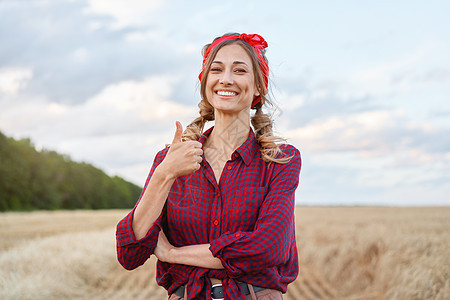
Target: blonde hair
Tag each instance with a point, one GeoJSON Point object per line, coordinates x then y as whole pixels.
{"type": "Point", "coordinates": [262, 123]}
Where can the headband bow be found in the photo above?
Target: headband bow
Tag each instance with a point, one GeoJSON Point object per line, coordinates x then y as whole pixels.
{"type": "Point", "coordinates": [256, 41]}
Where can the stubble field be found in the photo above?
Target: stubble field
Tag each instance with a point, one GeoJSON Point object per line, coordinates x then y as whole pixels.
{"type": "Point", "coordinates": [345, 253]}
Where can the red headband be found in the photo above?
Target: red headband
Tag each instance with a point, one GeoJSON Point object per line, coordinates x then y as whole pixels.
{"type": "Point", "coordinates": [256, 41]}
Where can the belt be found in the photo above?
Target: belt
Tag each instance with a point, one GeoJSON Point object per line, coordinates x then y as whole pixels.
{"type": "Point", "coordinates": [217, 290]}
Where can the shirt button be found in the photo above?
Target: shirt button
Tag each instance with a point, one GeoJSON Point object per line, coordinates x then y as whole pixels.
{"type": "Point", "coordinates": [216, 222]}
{"type": "Point", "coordinates": [229, 168]}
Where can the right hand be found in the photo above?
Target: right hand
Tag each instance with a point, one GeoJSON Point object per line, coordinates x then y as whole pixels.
{"type": "Point", "coordinates": [163, 248]}
{"type": "Point", "coordinates": [183, 158]}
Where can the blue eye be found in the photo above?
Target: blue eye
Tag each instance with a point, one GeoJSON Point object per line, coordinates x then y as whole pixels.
{"type": "Point", "coordinates": [215, 70]}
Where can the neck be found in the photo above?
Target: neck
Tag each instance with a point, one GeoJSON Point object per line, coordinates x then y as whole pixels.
{"type": "Point", "coordinates": [230, 131]}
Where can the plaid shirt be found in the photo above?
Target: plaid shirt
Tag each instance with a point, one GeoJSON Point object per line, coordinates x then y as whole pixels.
{"type": "Point", "coordinates": [248, 219]}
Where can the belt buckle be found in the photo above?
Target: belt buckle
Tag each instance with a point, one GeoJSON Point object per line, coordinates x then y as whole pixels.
{"type": "Point", "coordinates": [212, 293]}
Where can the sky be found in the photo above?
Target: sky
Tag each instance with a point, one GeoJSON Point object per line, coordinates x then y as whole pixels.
{"type": "Point", "coordinates": [361, 88]}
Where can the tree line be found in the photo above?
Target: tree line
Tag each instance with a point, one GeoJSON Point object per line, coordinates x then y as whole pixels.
{"type": "Point", "coordinates": [31, 179]}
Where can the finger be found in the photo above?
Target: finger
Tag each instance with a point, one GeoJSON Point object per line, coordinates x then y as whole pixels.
{"type": "Point", "coordinates": [198, 152]}
{"type": "Point", "coordinates": [178, 133]}
{"type": "Point", "coordinates": [197, 144]}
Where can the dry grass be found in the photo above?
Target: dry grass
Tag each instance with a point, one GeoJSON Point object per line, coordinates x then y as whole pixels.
{"type": "Point", "coordinates": [345, 253]}
{"type": "Point", "coordinates": [377, 253]}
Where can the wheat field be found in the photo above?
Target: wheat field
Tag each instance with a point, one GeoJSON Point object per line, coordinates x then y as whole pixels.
{"type": "Point", "coordinates": [345, 253]}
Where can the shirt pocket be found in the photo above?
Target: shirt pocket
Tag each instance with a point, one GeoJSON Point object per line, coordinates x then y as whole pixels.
{"type": "Point", "coordinates": [186, 195]}
{"type": "Point", "coordinates": [243, 207]}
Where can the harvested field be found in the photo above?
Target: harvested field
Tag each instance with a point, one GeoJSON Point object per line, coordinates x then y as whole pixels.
{"type": "Point", "coordinates": [345, 253]}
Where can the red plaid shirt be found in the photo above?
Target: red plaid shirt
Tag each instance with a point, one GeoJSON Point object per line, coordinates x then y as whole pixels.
{"type": "Point", "coordinates": [248, 219]}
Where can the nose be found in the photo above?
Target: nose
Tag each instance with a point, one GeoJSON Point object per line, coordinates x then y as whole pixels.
{"type": "Point", "coordinates": [227, 78]}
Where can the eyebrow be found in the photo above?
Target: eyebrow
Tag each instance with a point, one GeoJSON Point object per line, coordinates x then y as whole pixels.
{"type": "Point", "coordinates": [236, 62]}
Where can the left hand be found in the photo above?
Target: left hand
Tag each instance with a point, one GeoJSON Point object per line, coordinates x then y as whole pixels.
{"type": "Point", "coordinates": [163, 247]}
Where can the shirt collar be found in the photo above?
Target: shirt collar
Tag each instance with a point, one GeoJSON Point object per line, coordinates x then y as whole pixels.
{"type": "Point", "coordinates": [247, 150]}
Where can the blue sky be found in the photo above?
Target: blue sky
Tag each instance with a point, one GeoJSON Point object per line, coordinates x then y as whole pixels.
{"type": "Point", "coordinates": [361, 88]}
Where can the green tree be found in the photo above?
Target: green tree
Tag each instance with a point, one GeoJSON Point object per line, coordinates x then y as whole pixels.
{"type": "Point", "coordinates": [31, 179]}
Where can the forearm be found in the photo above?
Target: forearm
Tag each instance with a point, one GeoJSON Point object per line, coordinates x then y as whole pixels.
{"type": "Point", "coordinates": [152, 202]}
{"type": "Point", "coordinates": [194, 255]}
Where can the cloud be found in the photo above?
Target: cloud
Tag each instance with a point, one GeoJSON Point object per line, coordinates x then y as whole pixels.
{"type": "Point", "coordinates": [401, 80]}
{"type": "Point", "coordinates": [12, 80]}
{"type": "Point", "coordinates": [416, 69]}
{"type": "Point", "coordinates": [120, 128]}
{"type": "Point", "coordinates": [74, 54]}
{"type": "Point", "coordinates": [368, 182]}
{"type": "Point", "coordinates": [370, 157]}
{"type": "Point", "coordinates": [124, 14]}
{"type": "Point", "coordinates": [366, 136]}
{"type": "Point", "coordinates": [374, 134]}
{"type": "Point", "coordinates": [118, 108]}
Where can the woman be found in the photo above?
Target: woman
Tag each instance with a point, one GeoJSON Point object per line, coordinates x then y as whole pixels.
{"type": "Point", "coordinates": [217, 208]}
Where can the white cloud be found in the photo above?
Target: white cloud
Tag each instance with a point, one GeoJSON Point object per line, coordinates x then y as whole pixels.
{"type": "Point", "coordinates": [380, 151]}
{"type": "Point", "coordinates": [119, 107]}
{"type": "Point", "coordinates": [375, 134]}
{"type": "Point", "coordinates": [339, 133]}
{"type": "Point", "coordinates": [417, 69]}
{"type": "Point", "coordinates": [126, 13]}
{"type": "Point", "coordinates": [14, 79]}
{"type": "Point", "coordinates": [73, 54]}
{"type": "Point", "coordinates": [119, 129]}
{"type": "Point", "coordinates": [146, 100]}
{"type": "Point", "coordinates": [81, 55]}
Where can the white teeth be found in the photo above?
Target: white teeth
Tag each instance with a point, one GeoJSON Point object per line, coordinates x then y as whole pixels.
{"type": "Point", "coordinates": [225, 93]}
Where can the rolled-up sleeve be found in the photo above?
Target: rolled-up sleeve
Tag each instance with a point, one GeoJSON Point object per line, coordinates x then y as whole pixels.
{"type": "Point", "coordinates": [131, 252]}
{"type": "Point", "coordinates": [272, 242]}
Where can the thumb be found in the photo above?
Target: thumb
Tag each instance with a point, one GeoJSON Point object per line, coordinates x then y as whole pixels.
{"type": "Point", "coordinates": [178, 133]}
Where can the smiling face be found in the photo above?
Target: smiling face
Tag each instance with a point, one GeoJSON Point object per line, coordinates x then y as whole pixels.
{"type": "Point", "coordinates": [230, 85]}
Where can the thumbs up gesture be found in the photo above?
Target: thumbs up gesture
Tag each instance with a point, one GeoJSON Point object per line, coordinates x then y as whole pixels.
{"type": "Point", "coordinates": [178, 133]}
{"type": "Point", "coordinates": [183, 158]}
